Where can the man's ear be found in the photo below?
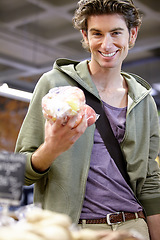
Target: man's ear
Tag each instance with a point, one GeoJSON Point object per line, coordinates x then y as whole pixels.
{"type": "Point", "coordinates": [85, 36]}
{"type": "Point", "coordinates": [133, 36]}
{"type": "Point", "coordinates": [85, 42]}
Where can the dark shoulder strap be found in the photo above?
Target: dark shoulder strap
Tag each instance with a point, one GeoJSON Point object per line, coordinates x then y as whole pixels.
{"type": "Point", "coordinates": [105, 130]}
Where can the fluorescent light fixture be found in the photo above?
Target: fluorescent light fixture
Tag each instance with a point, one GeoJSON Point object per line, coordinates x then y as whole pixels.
{"type": "Point", "coordinates": [156, 86]}
{"type": "Point", "coordinates": [6, 91]}
{"type": "Point", "coordinates": [154, 92]}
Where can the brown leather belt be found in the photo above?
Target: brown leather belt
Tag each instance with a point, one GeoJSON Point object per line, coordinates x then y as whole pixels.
{"type": "Point", "coordinates": [114, 218]}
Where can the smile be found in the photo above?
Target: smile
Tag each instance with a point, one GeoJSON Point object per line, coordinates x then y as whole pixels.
{"type": "Point", "coordinates": [108, 54]}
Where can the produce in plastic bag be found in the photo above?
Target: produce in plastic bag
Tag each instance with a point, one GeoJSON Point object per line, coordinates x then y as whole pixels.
{"type": "Point", "coordinates": [66, 102]}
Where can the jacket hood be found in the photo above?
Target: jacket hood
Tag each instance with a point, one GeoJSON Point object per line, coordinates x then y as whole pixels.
{"type": "Point", "coordinates": [79, 72]}
{"type": "Point", "coordinates": [138, 88]}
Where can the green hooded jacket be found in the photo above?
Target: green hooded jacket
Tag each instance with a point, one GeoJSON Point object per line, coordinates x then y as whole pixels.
{"type": "Point", "coordinates": [62, 187]}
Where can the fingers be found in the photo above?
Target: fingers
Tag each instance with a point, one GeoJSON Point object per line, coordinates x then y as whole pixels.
{"type": "Point", "coordinates": [72, 122]}
{"type": "Point", "coordinates": [72, 130]}
{"type": "Point", "coordinates": [79, 129]}
{"type": "Point", "coordinates": [64, 136]}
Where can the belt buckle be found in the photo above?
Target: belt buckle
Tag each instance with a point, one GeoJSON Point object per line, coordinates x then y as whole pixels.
{"type": "Point", "coordinates": [115, 213]}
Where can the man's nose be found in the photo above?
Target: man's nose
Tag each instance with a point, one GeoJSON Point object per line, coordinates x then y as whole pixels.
{"type": "Point", "coordinates": [107, 42]}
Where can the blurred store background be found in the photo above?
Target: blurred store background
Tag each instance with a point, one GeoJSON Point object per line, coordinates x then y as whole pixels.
{"type": "Point", "coordinates": [33, 33]}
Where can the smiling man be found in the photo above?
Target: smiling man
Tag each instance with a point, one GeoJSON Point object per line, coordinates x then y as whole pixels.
{"type": "Point", "coordinates": [71, 167]}
{"type": "Point", "coordinates": [108, 39]}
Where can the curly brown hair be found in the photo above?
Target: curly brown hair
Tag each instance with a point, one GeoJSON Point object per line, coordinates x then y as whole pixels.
{"type": "Point", "coordinates": [86, 8]}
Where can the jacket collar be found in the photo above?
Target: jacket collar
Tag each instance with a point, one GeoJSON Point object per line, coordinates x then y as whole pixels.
{"type": "Point", "coordinates": [138, 88]}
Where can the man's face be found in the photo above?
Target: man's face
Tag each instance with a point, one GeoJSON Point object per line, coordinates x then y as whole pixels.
{"type": "Point", "coordinates": [108, 39]}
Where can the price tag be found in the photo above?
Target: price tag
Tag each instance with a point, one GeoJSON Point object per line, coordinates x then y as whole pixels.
{"type": "Point", "coordinates": [12, 168]}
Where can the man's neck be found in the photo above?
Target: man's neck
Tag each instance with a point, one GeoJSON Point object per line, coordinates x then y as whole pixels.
{"type": "Point", "coordinates": [111, 86]}
{"type": "Point", "coordinates": [106, 78]}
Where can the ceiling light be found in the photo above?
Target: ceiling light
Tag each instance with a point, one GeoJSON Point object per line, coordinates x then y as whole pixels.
{"type": "Point", "coordinates": [6, 91]}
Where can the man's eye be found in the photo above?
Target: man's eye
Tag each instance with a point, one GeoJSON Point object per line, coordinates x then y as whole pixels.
{"type": "Point", "coordinates": [116, 33]}
{"type": "Point", "coordinates": [97, 34]}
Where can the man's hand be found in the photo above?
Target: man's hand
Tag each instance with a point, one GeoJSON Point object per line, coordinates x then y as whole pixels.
{"type": "Point", "coordinates": [58, 139]}
{"type": "Point", "coordinates": [154, 226]}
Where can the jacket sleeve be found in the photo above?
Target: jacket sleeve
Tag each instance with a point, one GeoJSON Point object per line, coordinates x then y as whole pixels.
{"type": "Point", "coordinates": [150, 197]}
{"type": "Point", "coordinates": [31, 134]}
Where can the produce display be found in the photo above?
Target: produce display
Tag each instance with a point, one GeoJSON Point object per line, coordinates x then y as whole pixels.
{"type": "Point", "coordinates": [65, 102]}
{"type": "Point", "coordinates": [39, 224]}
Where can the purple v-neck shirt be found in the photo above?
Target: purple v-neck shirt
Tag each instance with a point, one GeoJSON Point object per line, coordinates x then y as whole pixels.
{"type": "Point", "coordinates": [106, 190]}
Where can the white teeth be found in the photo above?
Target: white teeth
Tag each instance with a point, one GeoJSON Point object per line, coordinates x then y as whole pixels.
{"type": "Point", "coordinates": [109, 54]}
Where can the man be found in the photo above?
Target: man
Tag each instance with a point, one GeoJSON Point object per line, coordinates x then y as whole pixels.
{"type": "Point", "coordinates": [71, 167]}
